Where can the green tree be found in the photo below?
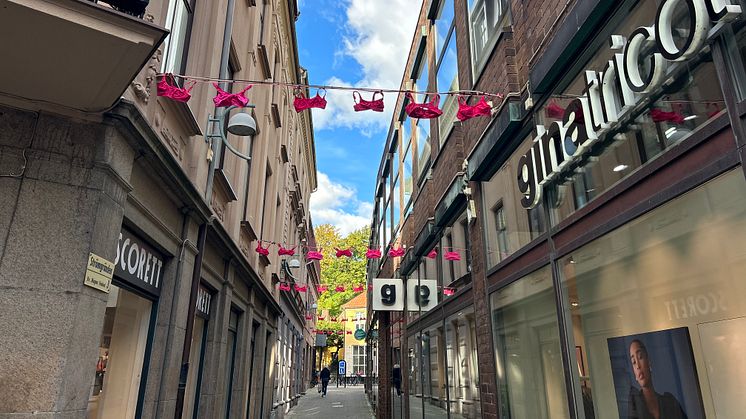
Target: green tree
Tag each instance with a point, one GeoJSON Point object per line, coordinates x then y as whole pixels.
{"type": "Point", "coordinates": [344, 271]}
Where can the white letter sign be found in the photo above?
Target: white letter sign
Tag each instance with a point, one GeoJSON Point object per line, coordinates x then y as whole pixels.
{"type": "Point", "coordinates": [388, 294]}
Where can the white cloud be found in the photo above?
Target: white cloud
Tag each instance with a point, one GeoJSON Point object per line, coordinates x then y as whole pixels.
{"type": "Point", "coordinates": [337, 204]}
{"type": "Point", "coordinates": [377, 35]}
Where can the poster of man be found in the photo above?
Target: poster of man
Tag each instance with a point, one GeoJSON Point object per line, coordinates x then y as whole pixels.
{"type": "Point", "coordinates": [655, 375]}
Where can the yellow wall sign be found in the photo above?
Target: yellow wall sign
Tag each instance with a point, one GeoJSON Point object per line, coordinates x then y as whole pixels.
{"type": "Point", "coordinates": [98, 273]}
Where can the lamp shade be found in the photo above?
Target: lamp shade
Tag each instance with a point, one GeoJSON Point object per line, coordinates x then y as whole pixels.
{"type": "Point", "coordinates": [242, 124]}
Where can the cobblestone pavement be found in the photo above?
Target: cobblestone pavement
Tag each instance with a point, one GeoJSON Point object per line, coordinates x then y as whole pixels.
{"type": "Point", "coordinates": [347, 403]}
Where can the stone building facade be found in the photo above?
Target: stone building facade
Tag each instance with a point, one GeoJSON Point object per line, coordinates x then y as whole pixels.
{"type": "Point", "coordinates": [591, 212]}
{"type": "Point", "coordinates": [99, 177]}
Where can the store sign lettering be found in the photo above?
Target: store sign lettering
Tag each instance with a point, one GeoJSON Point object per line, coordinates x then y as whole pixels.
{"type": "Point", "coordinates": [138, 263]}
{"type": "Point", "coordinates": [609, 95]}
{"type": "Point", "coordinates": [422, 295]}
{"type": "Point", "coordinates": [388, 294]}
{"type": "Point", "coordinates": [696, 305]}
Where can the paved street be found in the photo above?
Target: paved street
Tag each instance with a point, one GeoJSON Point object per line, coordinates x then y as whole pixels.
{"type": "Point", "coordinates": [340, 402]}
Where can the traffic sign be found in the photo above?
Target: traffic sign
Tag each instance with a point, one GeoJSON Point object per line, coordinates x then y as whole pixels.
{"type": "Point", "coordinates": [360, 334]}
{"type": "Point", "coordinates": [342, 367]}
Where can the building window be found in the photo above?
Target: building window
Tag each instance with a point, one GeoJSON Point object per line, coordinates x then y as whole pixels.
{"type": "Point", "coordinates": [179, 22]}
{"type": "Point", "coordinates": [358, 360]}
{"type": "Point", "coordinates": [530, 378]}
{"type": "Point", "coordinates": [407, 165]}
{"type": "Point", "coordinates": [422, 126]}
{"type": "Point", "coordinates": [486, 21]}
{"type": "Point", "coordinates": [516, 227]}
{"type": "Point", "coordinates": [446, 65]}
{"type": "Point", "coordinates": [668, 286]}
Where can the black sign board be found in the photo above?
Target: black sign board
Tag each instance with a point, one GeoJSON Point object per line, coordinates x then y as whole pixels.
{"type": "Point", "coordinates": [138, 264]}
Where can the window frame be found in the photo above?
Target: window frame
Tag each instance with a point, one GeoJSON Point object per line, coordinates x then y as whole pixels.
{"type": "Point", "coordinates": [478, 64]}
{"type": "Point", "coordinates": [190, 7]}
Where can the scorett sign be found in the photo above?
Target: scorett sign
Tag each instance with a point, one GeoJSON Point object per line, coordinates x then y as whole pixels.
{"type": "Point", "coordinates": [609, 95]}
{"type": "Point", "coordinates": [138, 263]}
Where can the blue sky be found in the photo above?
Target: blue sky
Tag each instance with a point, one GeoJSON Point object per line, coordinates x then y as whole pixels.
{"type": "Point", "coordinates": [352, 43]}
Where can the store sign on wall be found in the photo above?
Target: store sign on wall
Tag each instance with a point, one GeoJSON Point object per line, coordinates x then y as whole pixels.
{"type": "Point", "coordinates": [422, 295]}
{"type": "Point", "coordinates": [360, 334]}
{"type": "Point", "coordinates": [611, 94]}
{"type": "Point", "coordinates": [388, 294]}
{"type": "Point", "coordinates": [138, 263]}
{"type": "Point", "coordinates": [98, 273]}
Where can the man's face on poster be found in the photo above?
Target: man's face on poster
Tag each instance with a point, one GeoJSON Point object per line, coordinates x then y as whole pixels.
{"type": "Point", "coordinates": [638, 356]}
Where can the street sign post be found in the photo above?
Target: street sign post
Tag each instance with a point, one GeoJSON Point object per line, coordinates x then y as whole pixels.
{"type": "Point", "coordinates": [342, 371]}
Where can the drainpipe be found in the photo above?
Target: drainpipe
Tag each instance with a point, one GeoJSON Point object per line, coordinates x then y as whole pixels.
{"type": "Point", "coordinates": [202, 235]}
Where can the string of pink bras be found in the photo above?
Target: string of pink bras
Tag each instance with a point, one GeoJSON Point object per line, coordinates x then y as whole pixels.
{"type": "Point", "coordinates": [167, 87]}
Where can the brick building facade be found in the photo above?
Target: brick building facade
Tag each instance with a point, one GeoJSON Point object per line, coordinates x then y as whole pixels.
{"type": "Point", "coordinates": [585, 178]}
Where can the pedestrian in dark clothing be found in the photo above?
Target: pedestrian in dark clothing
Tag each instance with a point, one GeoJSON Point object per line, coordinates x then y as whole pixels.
{"type": "Point", "coordinates": [396, 378]}
{"type": "Point", "coordinates": [326, 375]}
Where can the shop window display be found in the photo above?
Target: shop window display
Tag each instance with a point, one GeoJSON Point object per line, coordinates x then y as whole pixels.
{"type": "Point", "coordinates": [530, 378]}
{"type": "Point", "coordinates": [655, 307]}
{"type": "Point", "coordinates": [463, 370]}
{"type": "Point", "coordinates": [508, 226]}
{"type": "Point", "coordinates": [434, 373]}
{"type": "Point", "coordinates": [121, 354]}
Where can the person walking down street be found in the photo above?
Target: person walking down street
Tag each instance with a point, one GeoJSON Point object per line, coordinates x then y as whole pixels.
{"type": "Point", "coordinates": [325, 376]}
{"type": "Point", "coordinates": [396, 378]}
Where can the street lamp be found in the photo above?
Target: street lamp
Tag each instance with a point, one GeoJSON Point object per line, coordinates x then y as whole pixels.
{"type": "Point", "coordinates": [240, 124]}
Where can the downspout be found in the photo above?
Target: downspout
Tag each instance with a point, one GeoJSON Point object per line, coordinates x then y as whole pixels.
{"type": "Point", "coordinates": [202, 235]}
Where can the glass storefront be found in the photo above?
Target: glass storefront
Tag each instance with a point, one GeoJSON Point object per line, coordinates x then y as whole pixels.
{"type": "Point", "coordinates": [463, 370]}
{"type": "Point", "coordinates": [655, 309]}
{"type": "Point", "coordinates": [119, 367]}
{"type": "Point", "coordinates": [528, 354]}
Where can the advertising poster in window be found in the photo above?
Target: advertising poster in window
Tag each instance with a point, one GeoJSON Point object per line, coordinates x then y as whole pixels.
{"type": "Point", "coordinates": [655, 375]}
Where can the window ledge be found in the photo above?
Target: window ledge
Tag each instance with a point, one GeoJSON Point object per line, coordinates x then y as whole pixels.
{"type": "Point", "coordinates": [184, 115]}
{"type": "Point", "coordinates": [225, 184]}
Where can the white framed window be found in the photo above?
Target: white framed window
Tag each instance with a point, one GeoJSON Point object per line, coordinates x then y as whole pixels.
{"type": "Point", "coordinates": [179, 23]}
{"type": "Point", "coordinates": [486, 21]}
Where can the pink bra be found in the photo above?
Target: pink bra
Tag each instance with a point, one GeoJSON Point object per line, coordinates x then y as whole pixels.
{"type": "Point", "coordinates": [358, 288]}
{"type": "Point", "coordinates": [659, 115]}
{"type": "Point", "coordinates": [452, 256]}
{"type": "Point", "coordinates": [375, 105]}
{"type": "Point", "coordinates": [300, 288]}
{"type": "Point", "coordinates": [223, 98]}
{"type": "Point", "coordinates": [302, 103]}
{"type": "Point", "coordinates": [373, 254]}
{"type": "Point", "coordinates": [321, 288]}
{"type": "Point", "coordinates": [433, 254]}
{"type": "Point", "coordinates": [395, 253]}
{"type": "Point", "coordinates": [465, 111]}
{"type": "Point", "coordinates": [343, 252]}
{"type": "Point", "coordinates": [340, 288]}
{"type": "Point", "coordinates": [423, 110]}
{"type": "Point", "coordinates": [314, 255]}
{"type": "Point", "coordinates": [264, 251]}
{"type": "Point", "coordinates": [283, 251]}
{"type": "Point", "coordinates": [167, 88]}
{"type": "Point", "coordinates": [309, 317]}
{"type": "Point", "coordinates": [449, 291]}
{"type": "Point", "coordinates": [284, 286]}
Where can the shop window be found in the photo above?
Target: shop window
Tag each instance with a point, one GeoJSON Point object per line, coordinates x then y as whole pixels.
{"type": "Point", "coordinates": [657, 305]}
{"type": "Point", "coordinates": [689, 98]}
{"type": "Point", "coordinates": [414, 374]}
{"type": "Point", "coordinates": [120, 356]}
{"type": "Point", "coordinates": [528, 357]}
{"type": "Point", "coordinates": [735, 53]}
{"type": "Point", "coordinates": [231, 347]}
{"type": "Point", "coordinates": [487, 18]}
{"type": "Point", "coordinates": [501, 228]}
{"type": "Point", "coordinates": [176, 45]}
{"type": "Point", "coordinates": [500, 196]}
{"type": "Point", "coordinates": [435, 394]}
{"type": "Point", "coordinates": [463, 371]}
{"type": "Point", "coordinates": [197, 353]}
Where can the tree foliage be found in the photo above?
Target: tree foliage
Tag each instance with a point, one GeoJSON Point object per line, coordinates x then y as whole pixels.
{"type": "Point", "coordinates": [348, 272]}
